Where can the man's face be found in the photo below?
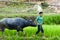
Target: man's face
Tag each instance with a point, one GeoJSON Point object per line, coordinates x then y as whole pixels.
{"type": "Point", "coordinates": [41, 14]}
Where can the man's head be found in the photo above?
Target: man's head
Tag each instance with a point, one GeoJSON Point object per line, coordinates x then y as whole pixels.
{"type": "Point", "coordinates": [41, 14]}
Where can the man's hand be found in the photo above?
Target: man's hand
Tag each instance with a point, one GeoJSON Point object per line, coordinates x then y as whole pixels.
{"type": "Point", "coordinates": [43, 22]}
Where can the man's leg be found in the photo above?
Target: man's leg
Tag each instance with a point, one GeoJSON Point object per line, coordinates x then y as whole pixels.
{"type": "Point", "coordinates": [42, 31]}
{"type": "Point", "coordinates": [38, 29]}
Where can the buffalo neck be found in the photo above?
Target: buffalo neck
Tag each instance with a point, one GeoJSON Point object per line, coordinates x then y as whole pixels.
{"type": "Point", "coordinates": [26, 24]}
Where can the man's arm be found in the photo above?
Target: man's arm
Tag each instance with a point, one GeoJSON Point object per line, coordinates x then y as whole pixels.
{"type": "Point", "coordinates": [36, 20]}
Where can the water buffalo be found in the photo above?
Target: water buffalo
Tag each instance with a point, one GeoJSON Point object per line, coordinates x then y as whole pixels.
{"type": "Point", "coordinates": [15, 24]}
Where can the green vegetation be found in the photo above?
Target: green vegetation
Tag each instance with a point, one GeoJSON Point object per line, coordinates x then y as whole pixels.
{"type": "Point", "coordinates": [51, 32]}
{"type": "Point", "coordinates": [48, 19]}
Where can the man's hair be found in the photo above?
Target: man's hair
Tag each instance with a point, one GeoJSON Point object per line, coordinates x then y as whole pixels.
{"type": "Point", "coordinates": [40, 12]}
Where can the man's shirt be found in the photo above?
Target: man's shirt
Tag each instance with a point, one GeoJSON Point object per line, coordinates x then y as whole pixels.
{"type": "Point", "coordinates": [39, 20]}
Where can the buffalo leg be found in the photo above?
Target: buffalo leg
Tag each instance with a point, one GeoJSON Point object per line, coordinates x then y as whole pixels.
{"type": "Point", "coordinates": [2, 27]}
{"type": "Point", "coordinates": [23, 32]}
{"type": "Point", "coordinates": [18, 29]}
{"type": "Point", "coordinates": [3, 35]}
{"type": "Point", "coordinates": [17, 33]}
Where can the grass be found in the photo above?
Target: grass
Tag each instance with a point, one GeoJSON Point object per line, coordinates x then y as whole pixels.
{"type": "Point", "coordinates": [3, 15]}
{"type": "Point", "coordinates": [51, 32]}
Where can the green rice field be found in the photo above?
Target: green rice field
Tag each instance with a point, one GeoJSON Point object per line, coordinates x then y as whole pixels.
{"type": "Point", "coordinates": [51, 32]}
